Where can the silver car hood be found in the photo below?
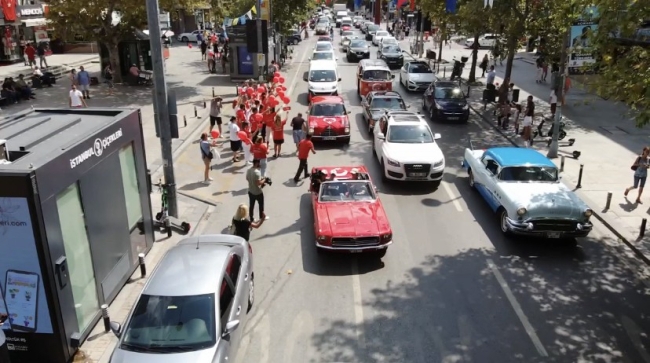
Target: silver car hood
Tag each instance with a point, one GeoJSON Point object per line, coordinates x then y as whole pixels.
{"type": "Point", "coordinates": [126, 356]}
{"type": "Point", "coordinates": [545, 200]}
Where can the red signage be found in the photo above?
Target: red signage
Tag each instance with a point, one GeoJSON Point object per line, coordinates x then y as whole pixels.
{"type": "Point", "coordinates": [9, 9]}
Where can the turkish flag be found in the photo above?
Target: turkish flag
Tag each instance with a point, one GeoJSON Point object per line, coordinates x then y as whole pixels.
{"type": "Point", "coordinates": [412, 5]}
{"type": "Point", "coordinates": [9, 9]}
{"type": "Point", "coordinates": [400, 3]}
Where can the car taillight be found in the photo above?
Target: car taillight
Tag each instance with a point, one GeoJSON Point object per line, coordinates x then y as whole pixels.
{"type": "Point", "coordinates": [385, 238]}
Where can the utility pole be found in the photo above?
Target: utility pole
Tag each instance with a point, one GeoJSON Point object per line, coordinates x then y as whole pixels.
{"type": "Point", "coordinates": [559, 92]}
{"type": "Point", "coordinates": [161, 106]}
{"type": "Point", "coordinates": [377, 12]}
{"type": "Point", "coordinates": [260, 44]}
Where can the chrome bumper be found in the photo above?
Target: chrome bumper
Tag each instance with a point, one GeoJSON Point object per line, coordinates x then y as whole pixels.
{"type": "Point", "coordinates": [526, 228]}
{"type": "Point", "coordinates": [417, 86]}
{"type": "Point", "coordinates": [355, 249]}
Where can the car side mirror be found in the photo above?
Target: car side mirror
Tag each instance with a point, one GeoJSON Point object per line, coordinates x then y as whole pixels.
{"type": "Point", "coordinates": [381, 136]}
{"type": "Point", "coordinates": [304, 78]}
{"type": "Point", "coordinates": [230, 328]}
{"type": "Point", "coordinates": [309, 58]}
{"type": "Point", "coordinates": [349, 112]}
{"type": "Point", "coordinates": [339, 79]}
{"type": "Point", "coordinates": [436, 136]}
{"type": "Point", "coordinates": [392, 76]}
{"type": "Point", "coordinates": [116, 328]}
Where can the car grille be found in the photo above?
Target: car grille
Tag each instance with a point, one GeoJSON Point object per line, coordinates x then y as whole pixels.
{"type": "Point", "coordinates": [355, 242]}
{"type": "Point", "coordinates": [417, 170]}
{"type": "Point", "coordinates": [554, 225]}
{"type": "Point", "coordinates": [324, 93]}
{"type": "Point", "coordinates": [422, 84]}
{"type": "Point", "coordinates": [328, 131]}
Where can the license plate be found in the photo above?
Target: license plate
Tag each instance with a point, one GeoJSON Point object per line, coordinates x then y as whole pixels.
{"type": "Point", "coordinates": [453, 118]}
{"type": "Point", "coordinates": [553, 234]}
{"type": "Point", "coordinates": [355, 251]}
{"type": "Point", "coordinates": [329, 138]}
{"type": "Point", "coordinates": [418, 174]}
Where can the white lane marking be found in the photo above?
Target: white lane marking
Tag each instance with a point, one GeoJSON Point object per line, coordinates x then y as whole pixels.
{"type": "Point", "coordinates": [264, 331]}
{"type": "Point", "coordinates": [358, 303]}
{"type": "Point", "coordinates": [517, 308]}
{"type": "Point", "coordinates": [452, 196]}
{"type": "Point", "coordinates": [295, 76]}
{"type": "Point", "coordinates": [301, 329]}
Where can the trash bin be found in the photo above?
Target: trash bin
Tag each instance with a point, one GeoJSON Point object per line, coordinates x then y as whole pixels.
{"type": "Point", "coordinates": [431, 54]}
{"type": "Point", "coordinates": [515, 95]}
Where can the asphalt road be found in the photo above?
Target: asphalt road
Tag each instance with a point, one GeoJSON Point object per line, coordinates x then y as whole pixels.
{"type": "Point", "coordinates": [450, 289]}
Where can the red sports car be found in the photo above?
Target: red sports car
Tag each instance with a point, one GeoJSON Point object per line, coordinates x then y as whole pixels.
{"type": "Point", "coordinates": [328, 119]}
{"type": "Point", "coordinates": [348, 215]}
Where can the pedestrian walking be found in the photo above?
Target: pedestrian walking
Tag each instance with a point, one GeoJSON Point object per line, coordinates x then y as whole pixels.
{"type": "Point", "coordinates": [516, 118]}
{"type": "Point", "coordinates": [298, 127]}
{"type": "Point", "coordinates": [640, 168]}
{"type": "Point", "coordinates": [235, 141]}
{"type": "Point", "coordinates": [304, 148]}
{"type": "Point", "coordinates": [215, 114]}
{"type": "Point", "coordinates": [491, 75]}
{"type": "Point", "coordinates": [206, 156]}
{"type": "Point", "coordinates": [540, 70]}
{"type": "Point", "coordinates": [278, 135]}
{"type": "Point", "coordinates": [273, 67]}
{"type": "Point", "coordinates": [260, 152]}
{"type": "Point", "coordinates": [76, 98]}
{"type": "Point", "coordinates": [204, 50]}
{"type": "Point", "coordinates": [528, 120]}
{"type": "Point", "coordinates": [241, 225]}
{"type": "Point", "coordinates": [248, 157]}
{"type": "Point", "coordinates": [553, 101]}
{"type": "Point", "coordinates": [83, 80]}
{"type": "Point", "coordinates": [484, 65]}
{"type": "Point", "coordinates": [73, 77]}
{"type": "Point", "coordinates": [108, 76]}
{"type": "Point", "coordinates": [31, 55]}
{"type": "Point", "coordinates": [255, 193]}
{"type": "Point", "coordinates": [41, 49]}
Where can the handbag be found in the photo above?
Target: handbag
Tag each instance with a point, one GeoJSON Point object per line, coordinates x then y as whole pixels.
{"type": "Point", "coordinates": [209, 156]}
{"type": "Point", "coordinates": [214, 154]}
{"type": "Point", "coordinates": [635, 166]}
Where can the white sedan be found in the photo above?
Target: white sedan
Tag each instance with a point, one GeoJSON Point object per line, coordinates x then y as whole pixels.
{"type": "Point", "coordinates": [416, 76]}
{"type": "Point", "coordinates": [189, 37]}
{"type": "Point", "coordinates": [387, 41]}
{"type": "Point", "coordinates": [378, 36]}
{"type": "Point", "coordinates": [484, 41]}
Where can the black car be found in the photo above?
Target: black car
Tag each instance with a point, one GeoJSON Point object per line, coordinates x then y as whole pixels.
{"type": "Point", "coordinates": [294, 39]}
{"type": "Point", "coordinates": [445, 101]}
{"type": "Point", "coordinates": [392, 55]}
{"type": "Point", "coordinates": [377, 103]}
{"type": "Point", "coordinates": [371, 30]}
{"type": "Point", "coordinates": [357, 50]}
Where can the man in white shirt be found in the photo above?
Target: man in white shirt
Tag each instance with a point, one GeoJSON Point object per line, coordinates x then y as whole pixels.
{"type": "Point", "coordinates": [76, 98]}
{"type": "Point", "coordinates": [491, 75]}
{"type": "Point", "coordinates": [235, 141]}
{"type": "Point", "coordinates": [553, 102]}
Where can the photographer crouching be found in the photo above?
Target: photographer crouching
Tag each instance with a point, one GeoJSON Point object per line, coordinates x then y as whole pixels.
{"type": "Point", "coordinates": [255, 193]}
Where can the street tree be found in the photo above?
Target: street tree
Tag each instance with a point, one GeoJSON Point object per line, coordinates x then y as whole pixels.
{"type": "Point", "coordinates": [289, 13]}
{"type": "Point", "coordinates": [104, 21]}
{"type": "Point", "coordinates": [473, 19]}
{"type": "Point", "coordinates": [440, 18]}
{"type": "Point", "coordinates": [623, 56]}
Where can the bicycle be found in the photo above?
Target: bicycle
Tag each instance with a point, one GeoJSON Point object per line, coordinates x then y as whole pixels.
{"type": "Point", "coordinates": [162, 218]}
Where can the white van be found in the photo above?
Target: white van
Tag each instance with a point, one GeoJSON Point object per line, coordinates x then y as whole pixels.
{"type": "Point", "coordinates": [340, 15]}
{"type": "Point", "coordinates": [322, 79]}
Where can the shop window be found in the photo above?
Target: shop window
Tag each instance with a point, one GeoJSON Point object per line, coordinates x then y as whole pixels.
{"type": "Point", "coordinates": [77, 251]}
{"type": "Point", "coordinates": [131, 190]}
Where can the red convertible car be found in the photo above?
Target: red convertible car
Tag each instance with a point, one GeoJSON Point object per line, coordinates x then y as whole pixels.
{"type": "Point", "coordinates": [348, 215]}
{"type": "Point", "coordinates": [328, 119]}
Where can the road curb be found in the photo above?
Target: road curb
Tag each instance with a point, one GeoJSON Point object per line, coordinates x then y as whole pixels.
{"type": "Point", "coordinates": [610, 225]}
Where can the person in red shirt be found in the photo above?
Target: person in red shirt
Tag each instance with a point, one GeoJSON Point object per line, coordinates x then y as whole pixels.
{"type": "Point", "coordinates": [278, 135]}
{"type": "Point", "coordinates": [304, 148]}
{"type": "Point", "coordinates": [241, 114]}
{"type": "Point", "coordinates": [247, 148]}
{"type": "Point", "coordinates": [267, 125]}
{"type": "Point", "coordinates": [31, 55]}
{"type": "Point", "coordinates": [260, 152]}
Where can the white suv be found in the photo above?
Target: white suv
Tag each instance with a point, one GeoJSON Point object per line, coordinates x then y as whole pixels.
{"type": "Point", "coordinates": [407, 149]}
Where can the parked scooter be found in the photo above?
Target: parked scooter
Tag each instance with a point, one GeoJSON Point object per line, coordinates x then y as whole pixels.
{"type": "Point", "coordinates": [549, 133]}
{"type": "Point", "coordinates": [457, 71]}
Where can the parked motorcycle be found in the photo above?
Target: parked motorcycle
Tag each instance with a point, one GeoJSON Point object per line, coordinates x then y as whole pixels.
{"type": "Point", "coordinates": [549, 133]}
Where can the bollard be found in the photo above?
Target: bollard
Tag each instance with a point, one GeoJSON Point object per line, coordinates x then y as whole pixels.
{"type": "Point", "coordinates": [609, 200]}
{"type": "Point", "coordinates": [143, 267]}
{"type": "Point", "coordinates": [444, 72]}
{"type": "Point", "coordinates": [106, 318]}
{"type": "Point", "coordinates": [185, 120]}
{"type": "Point", "coordinates": [203, 104]}
{"type": "Point", "coordinates": [196, 114]}
{"type": "Point", "coordinates": [212, 92]}
{"type": "Point", "coordinates": [642, 231]}
{"type": "Point", "coordinates": [580, 177]}
{"type": "Point", "coordinates": [561, 163]}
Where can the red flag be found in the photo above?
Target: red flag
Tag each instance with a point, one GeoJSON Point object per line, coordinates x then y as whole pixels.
{"type": "Point", "coordinates": [412, 5]}
{"type": "Point", "coordinates": [400, 3]}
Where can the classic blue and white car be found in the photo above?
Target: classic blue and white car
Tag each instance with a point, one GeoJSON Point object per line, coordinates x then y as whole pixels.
{"type": "Point", "coordinates": [523, 187]}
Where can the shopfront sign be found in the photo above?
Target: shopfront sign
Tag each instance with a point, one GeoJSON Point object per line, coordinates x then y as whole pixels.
{"type": "Point", "coordinates": [31, 11]}
{"type": "Point", "coordinates": [97, 149]}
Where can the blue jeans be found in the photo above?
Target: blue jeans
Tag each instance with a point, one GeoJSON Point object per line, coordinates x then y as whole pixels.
{"type": "Point", "coordinates": [297, 136]}
{"type": "Point", "coordinates": [263, 167]}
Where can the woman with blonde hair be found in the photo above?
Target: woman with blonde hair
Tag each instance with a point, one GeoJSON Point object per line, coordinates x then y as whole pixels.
{"type": "Point", "coordinates": [278, 135]}
{"type": "Point", "coordinates": [241, 225]}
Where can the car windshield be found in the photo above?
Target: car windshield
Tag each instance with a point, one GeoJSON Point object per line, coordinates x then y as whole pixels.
{"type": "Point", "coordinates": [391, 103]}
{"type": "Point", "coordinates": [387, 41]}
{"type": "Point", "coordinates": [449, 93]}
{"type": "Point", "coordinates": [419, 68]}
{"type": "Point", "coordinates": [409, 134]}
{"type": "Point", "coordinates": [327, 109]}
{"type": "Point", "coordinates": [324, 39]}
{"type": "Point", "coordinates": [322, 76]}
{"type": "Point", "coordinates": [346, 191]}
{"type": "Point", "coordinates": [358, 44]}
{"type": "Point", "coordinates": [323, 46]}
{"type": "Point", "coordinates": [382, 34]}
{"type": "Point", "coordinates": [322, 56]}
{"type": "Point", "coordinates": [323, 20]}
{"type": "Point", "coordinates": [348, 33]}
{"type": "Point", "coordinates": [171, 324]}
{"type": "Point", "coordinates": [529, 174]}
{"type": "Point", "coordinates": [377, 75]}
{"type": "Point", "coordinates": [391, 49]}
{"type": "Point", "coordinates": [373, 27]}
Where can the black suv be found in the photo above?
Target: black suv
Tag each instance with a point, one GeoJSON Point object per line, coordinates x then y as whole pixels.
{"type": "Point", "coordinates": [445, 101]}
{"type": "Point", "coordinates": [377, 103]}
{"type": "Point", "coordinates": [357, 50]}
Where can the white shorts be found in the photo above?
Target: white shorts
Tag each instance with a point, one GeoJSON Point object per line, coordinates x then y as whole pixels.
{"type": "Point", "coordinates": [84, 87]}
{"type": "Point", "coordinates": [269, 133]}
{"type": "Point", "coordinates": [528, 121]}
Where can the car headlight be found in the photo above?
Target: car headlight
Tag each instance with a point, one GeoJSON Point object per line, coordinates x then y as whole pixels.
{"type": "Point", "coordinates": [521, 211]}
{"type": "Point", "coordinates": [466, 107]}
{"type": "Point", "coordinates": [392, 162]}
{"type": "Point", "coordinates": [386, 237]}
{"type": "Point", "coordinates": [347, 130]}
{"type": "Point", "coordinates": [321, 238]}
{"type": "Point", "coordinates": [311, 130]}
{"type": "Point", "coordinates": [438, 164]}
{"type": "Point", "coordinates": [589, 213]}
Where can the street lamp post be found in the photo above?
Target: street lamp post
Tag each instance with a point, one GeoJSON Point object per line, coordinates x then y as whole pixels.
{"type": "Point", "coordinates": [553, 149]}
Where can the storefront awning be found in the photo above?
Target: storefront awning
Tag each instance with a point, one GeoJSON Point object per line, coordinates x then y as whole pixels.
{"type": "Point", "coordinates": [35, 22]}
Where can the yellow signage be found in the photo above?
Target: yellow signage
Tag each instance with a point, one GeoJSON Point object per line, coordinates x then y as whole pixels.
{"type": "Point", "coordinates": [265, 7]}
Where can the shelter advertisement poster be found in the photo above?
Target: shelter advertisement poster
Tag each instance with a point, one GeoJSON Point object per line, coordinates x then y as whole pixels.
{"type": "Point", "coordinates": [581, 51]}
{"type": "Point", "coordinates": [245, 61]}
{"type": "Point", "coordinates": [21, 283]}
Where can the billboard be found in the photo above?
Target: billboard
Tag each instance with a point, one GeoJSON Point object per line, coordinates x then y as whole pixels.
{"type": "Point", "coordinates": [581, 50]}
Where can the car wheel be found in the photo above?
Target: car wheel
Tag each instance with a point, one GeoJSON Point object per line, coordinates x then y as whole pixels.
{"type": "Point", "coordinates": [503, 215]}
{"type": "Point", "coordinates": [295, 42]}
{"type": "Point", "coordinates": [381, 253]}
{"type": "Point", "coordinates": [383, 172]}
{"type": "Point", "coordinates": [374, 149]}
{"type": "Point", "coordinates": [251, 294]}
{"type": "Point", "coordinates": [470, 176]}
{"type": "Point", "coordinates": [184, 39]}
